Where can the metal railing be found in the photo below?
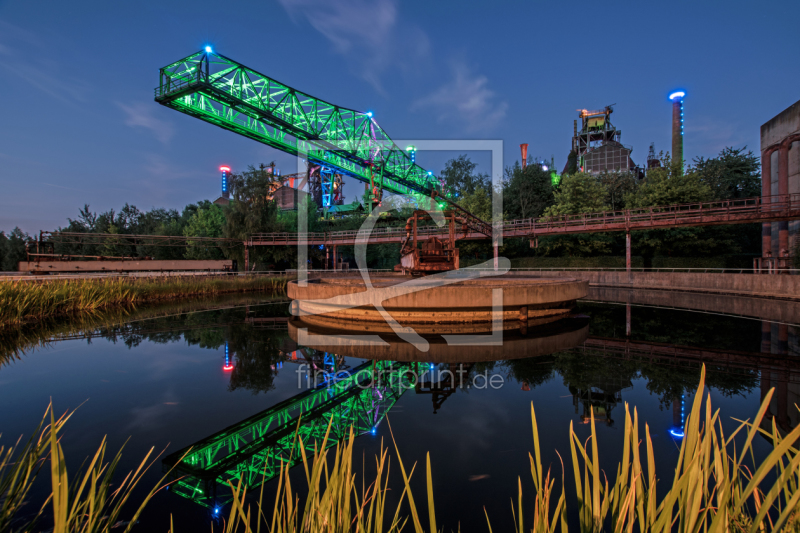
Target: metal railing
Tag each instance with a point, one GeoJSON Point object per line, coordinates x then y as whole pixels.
{"type": "Point", "coordinates": [735, 211]}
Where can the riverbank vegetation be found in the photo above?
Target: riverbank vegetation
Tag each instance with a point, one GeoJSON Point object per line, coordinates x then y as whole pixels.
{"type": "Point", "coordinates": [26, 301]}
{"type": "Point", "coordinates": [193, 319]}
{"type": "Point", "coordinates": [718, 485]}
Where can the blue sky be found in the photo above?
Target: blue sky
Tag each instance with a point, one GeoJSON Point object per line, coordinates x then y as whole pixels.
{"type": "Point", "coordinates": [79, 124]}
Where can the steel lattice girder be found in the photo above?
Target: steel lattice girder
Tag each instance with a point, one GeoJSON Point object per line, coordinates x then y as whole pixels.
{"type": "Point", "coordinates": [254, 450]}
{"type": "Point", "coordinates": [221, 91]}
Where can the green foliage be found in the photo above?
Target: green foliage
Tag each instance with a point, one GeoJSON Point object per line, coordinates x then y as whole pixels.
{"type": "Point", "coordinates": [527, 192]}
{"type": "Point", "coordinates": [578, 193]}
{"type": "Point", "coordinates": [13, 249]}
{"type": "Point", "coordinates": [667, 186]}
{"type": "Point", "coordinates": [572, 162]}
{"type": "Point", "coordinates": [252, 210]}
{"type": "Point", "coordinates": [732, 174]}
{"type": "Point", "coordinates": [618, 185]}
{"type": "Point", "coordinates": [460, 178]}
{"type": "Point", "coordinates": [206, 222]}
{"type": "Point", "coordinates": [671, 185]}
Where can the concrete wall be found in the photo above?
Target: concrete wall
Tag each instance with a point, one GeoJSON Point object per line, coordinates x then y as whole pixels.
{"type": "Point", "coordinates": [779, 127]}
{"type": "Point", "coordinates": [773, 132]}
{"type": "Point", "coordinates": [772, 286]}
{"type": "Point", "coordinates": [763, 308]}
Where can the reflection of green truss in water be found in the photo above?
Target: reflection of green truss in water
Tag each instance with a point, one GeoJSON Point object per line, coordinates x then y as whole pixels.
{"type": "Point", "coordinates": [254, 449]}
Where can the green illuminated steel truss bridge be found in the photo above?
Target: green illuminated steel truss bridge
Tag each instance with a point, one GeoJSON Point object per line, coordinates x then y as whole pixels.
{"type": "Point", "coordinates": [213, 88]}
{"type": "Point", "coordinates": [253, 450]}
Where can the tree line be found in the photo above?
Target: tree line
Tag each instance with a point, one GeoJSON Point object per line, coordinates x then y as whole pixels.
{"type": "Point", "coordinates": [527, 193]}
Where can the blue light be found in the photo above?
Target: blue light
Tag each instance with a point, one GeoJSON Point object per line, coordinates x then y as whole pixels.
{"type": "Point", "coordinates": [369, 114]}
{"type": "Point", "coordinates": [216, 510]}
{"type": "Point", "coordinates": [430, 173]}
{"type": "Point", "coordinates": [208, 49]}
{"type": "Point", "coordinates": [675, 433]}
{"type": "Point", "coordinates": [677, 94]}
{"type": "Point", "coordinates": [372, 431]}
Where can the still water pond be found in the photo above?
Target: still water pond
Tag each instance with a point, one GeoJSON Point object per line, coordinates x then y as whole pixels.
{"type": "Point", "coordinates": [173, 379]}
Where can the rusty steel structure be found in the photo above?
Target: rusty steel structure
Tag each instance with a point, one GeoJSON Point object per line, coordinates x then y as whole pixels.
{"type": "Point", "coordinates": [434, 254]}
{"type": "Point", "coordinates": [722, 212]}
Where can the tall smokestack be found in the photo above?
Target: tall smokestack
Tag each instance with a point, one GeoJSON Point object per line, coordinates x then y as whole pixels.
{"type": "Point", "coordinates": [677, 125]}
{"type": "Point", "coordinates": [524, 149]}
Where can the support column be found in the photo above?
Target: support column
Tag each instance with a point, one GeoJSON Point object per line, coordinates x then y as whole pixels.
{"type": "Point", "coordinates": [766, 192]}
{"type": "Point", "coordinates": [335, 257]}
{"type": "Point", "coordinates": [628, 318]}
{"type": "Point", "coordinates": [783, 191]}
{"type": "Point", "coordinates": [327, 256]}
{"type": "Point", "coordinates": [246, 259]}
{"type": "Point", "coordinates": [628, 254]}
{"type": "Point", "coordinates": [496, 265]}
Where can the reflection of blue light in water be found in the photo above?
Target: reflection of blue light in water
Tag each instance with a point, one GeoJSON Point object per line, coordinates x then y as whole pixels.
{"type": "Point", "coordinates": [228, 365]}
{"type": "Point", "coordinates": [678, 431]}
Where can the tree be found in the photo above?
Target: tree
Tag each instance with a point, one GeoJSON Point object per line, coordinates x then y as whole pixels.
{"type": "Point", "coordinates": [666, 186]}
{"type": "Point", "coordinates": [572, 162]}
{"type": "Point", "coordinates": [578, 193]}
{"type": "Point", "coordinates": [252, 210]}
{"type": "Point", "coordinates": [3, 244]}
{"type": "Point", "coordinates": [527, 192]}
{"type": "Point", "coordinates": [732, 174]}
{"type": "Point", "coordinates": [669, 185]}
{"type": "Point", "coordinates": [14, 249]}
{"type": "Point", "coordinates": [618, 185]}
{"type": "Point", "coordinates": [206, 222]}
{"type": "Point", "coordinates": [460, 178]}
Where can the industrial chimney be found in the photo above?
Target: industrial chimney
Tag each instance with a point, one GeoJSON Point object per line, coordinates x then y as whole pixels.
{"type": "Point", "coordinates": [677, 125]}
{"type": "Point", "coordinates": [524, 149]}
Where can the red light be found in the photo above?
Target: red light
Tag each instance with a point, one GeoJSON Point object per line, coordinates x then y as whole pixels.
{"type": "Point", "coordinates": [227, 367]}
{"type": "Point", "coordinates": [225, 169]}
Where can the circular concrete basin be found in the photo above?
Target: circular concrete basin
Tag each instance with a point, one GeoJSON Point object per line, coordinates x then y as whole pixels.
{"type": "Point", "coordinates": [428, 300]}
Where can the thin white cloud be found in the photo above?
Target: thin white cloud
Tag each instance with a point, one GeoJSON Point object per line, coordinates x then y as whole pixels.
{"type": "Point", "coordinates": [24, 56]}
{"type": "Point", "coordinates": [365, 32]}
{"type": "Point", "coordinates": [465, 99]}
{"type": "Point", "coordinates": [142, 115]}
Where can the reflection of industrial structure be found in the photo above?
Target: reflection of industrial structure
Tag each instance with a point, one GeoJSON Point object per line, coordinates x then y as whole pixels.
{"type": "Point", "coordinates": [599, 399]}
{"type": "Point", "coordinates": [598, 144]}
{"type": "Point", "coordinates": [253, 450]}
{"type": "Point", "coordinates": [780, 178]}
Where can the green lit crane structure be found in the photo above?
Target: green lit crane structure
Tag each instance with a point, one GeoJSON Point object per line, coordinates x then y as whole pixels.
{"type": "Point", "coordinates": [218, 90]}
{"type": "Point", "coordinates": [253, 450]}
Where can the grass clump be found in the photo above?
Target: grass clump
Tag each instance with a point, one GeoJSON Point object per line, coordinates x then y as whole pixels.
{"type": "Point", "coordinates": [23, 301]}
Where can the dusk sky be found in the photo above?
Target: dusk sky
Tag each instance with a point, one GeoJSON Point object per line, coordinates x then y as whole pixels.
{"type": "Point", "coordinates": [79, 124]}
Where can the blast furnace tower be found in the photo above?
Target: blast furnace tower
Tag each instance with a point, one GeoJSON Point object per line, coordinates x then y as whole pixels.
{"type": "Point", "coordinates": [598, 145]}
